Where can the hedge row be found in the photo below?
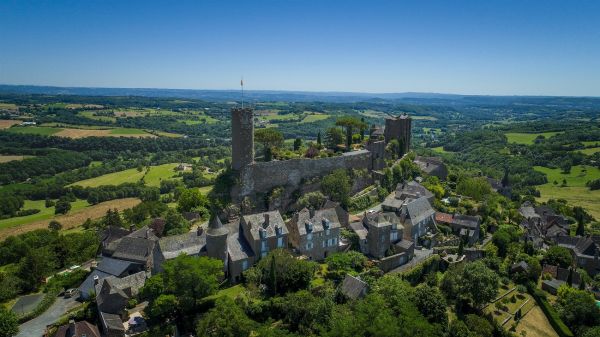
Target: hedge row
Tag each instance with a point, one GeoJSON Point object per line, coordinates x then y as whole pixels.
{"type": "Point", "coordinates": [557, 323]}
{"type": "Point", "coordinates": [417, 274]}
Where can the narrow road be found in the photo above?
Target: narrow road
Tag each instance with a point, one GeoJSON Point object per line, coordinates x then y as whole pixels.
{"type": "Point", "coordinates": [37, 326]}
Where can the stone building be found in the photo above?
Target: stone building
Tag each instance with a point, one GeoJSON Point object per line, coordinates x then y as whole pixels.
{"type": "Point", "coordinates": [418, 218]}
{"type": "Point", "coordinates": [264, 232]}
{"type": "Point", "coordinates": [399, 128]}
{"type": "Point", "coordinates": [432, 166]}
{"type": "Point", "coordinates": [315, 234]}
{"type": "Point", "coordinates": [242, 137]}
{"type": "Point", "coordinates": [465, 226]}
{"type": "Point", "coordinates": [405, 193]}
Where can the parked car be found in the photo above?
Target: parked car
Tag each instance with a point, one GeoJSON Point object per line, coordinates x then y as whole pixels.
{"type": "Point", "coordinates": [71, 292]}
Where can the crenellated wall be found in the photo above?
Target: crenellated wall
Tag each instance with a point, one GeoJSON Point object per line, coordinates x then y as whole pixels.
{"type": "Point", "coordinates": [261, 177]}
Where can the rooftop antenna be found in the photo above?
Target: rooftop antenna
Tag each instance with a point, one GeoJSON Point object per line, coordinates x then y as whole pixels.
{"type": "Point", "coordinates": [242, 85]}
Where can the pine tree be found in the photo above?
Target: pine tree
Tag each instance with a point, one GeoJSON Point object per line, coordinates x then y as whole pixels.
{"type": "Point", "coordinates": [461, 247]}
{"type": "Point", "coordinates": [570, 277]}
{"type": "Point", "coordinates": [319, 138]}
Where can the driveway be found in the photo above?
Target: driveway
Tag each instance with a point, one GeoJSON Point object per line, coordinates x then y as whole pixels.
{"type": "Point", "coordinates": [37, 326]}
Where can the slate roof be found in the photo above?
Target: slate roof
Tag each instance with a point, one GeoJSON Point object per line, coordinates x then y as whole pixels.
{"type": "Point", "coordinates": [428, 164]}
{"type": "Point", "coordinates": [87, 286]}
{"type": "Point", "coordinates": [126, 286]}
{"type": "Point", "coordinates": [112, 321]}
{"type": "Point", "coordinates": [112, 233]}
{"type": "Point", "coordinates": [405, 244]}
{"type": "Point", "coordinates": [144, 233]}
{"type": "Point", "coordinates": [257, 221]}
{"type": "Point", "coordinates": [113, 266]}
{"type": "Point", "coordinates": [216, 228]}
{"type": "Point", "coordinates": [412, 190]}
{"type": "Point", "coordinates": [466, 221]}
{"type": "Point", "coordinates": [359, 229]}
{"type": "Point", "coordinates": [134, 249]}
{"type": "Point", "coordinates": [353, 287]}
{"type": "Point", "coordinates": [392, 202]}
{"type": "Point", "coordinates": [585, 246]}
{"type": "Point", "coordinates": [419, 210]}
{"type": "Point", "coordinates": [527, 211]}
{"type": "Point", "coordinates": [78, 329]}
{"type": "Point", "coordinates": [237, 246]}
{"type": "Point", "coordinates": [317, 220]}
{"type": "Point", "coordinates": [189, 243]}
{"type": "Point", "coordinates": [383, 219]}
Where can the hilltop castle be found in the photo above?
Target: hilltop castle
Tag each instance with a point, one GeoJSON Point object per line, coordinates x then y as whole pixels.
{"type": "Point", "coordinates": [257, 178]}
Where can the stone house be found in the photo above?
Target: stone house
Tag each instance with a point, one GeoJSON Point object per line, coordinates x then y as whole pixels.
{"type": "Point", "coordinates": [136, 247]}
{"type": "Point", "coordinates": [106, 268]}
{"type": "Point", "coordinates": [315, 234]}
{"type": "Point", "coordinates": [465, 226]}
{"type": "Point", "coordinates": [584, 251]}
{"type": "Point", "coordinates": [433, 166]}
{"type": "Point", "coordinates": [264, 232]}
{"type": "Point", "coordinates": [418, 218]}
{"type": "Point", "coordinates": [405, 193]}
{"type": "Point", "coordinates": [169, 247]}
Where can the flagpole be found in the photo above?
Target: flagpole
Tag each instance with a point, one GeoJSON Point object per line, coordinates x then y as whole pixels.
{"type": "Point", "coordinates": [242, 85]}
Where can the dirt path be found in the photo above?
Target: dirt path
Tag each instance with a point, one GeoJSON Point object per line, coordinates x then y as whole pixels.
{"type": "Point", "coordinates": [73, 219]}
{"type": "Point", "coordinates": [7, 123]}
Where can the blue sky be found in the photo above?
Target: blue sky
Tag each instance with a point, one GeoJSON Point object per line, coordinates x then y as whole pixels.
{"type": "Point", "coordinates": [470, 47]}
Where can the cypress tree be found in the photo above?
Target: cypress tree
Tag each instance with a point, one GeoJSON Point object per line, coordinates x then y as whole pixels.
{"type": "Point", "coordinates": [319, 138]}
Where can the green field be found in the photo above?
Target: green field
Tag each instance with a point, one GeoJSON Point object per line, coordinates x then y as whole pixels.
{"type": "Point", "coordinates": [90, 115]}
{"type": "Point", "coordinates": [35, 130]}
{"type": "Point", "coordinates": [314, 118]}
{"type": "Point", "coordinates": [151, 178]}
{"type": "Point", "coordinates": [589, 151]}
{"type": "Point", "coordinates": [593, 143]}
{"type": "Point", "coordinates": [427, 118]}
{"type": "Point", "coordinates": [127, 131]}
{"type": "Point", "coordinates": [158, 173]}
{"type": "Point", "coordinates": [576, 193]}
{"type": "Point", "coordinates": [527, 138]}
{"type": "Point", "coordinates": [44, 214]}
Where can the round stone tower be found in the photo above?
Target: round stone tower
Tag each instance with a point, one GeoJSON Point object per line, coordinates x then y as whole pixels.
{"type": "Point", "coordinates": [216, 240]}
{"type": "Point", "coordinates": [242, 137]}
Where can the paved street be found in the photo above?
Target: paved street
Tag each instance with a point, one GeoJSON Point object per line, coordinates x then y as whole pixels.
{"type": "Point", "coordinates": [36, 326]}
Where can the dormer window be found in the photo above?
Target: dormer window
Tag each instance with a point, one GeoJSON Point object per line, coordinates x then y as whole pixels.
{"type": "Point", "coordinates": [326, 223]}
{"type": "Point", "coordinates": [278, 230]}
{"type": "Point", "coordinates": [309, 226]}
{"type": "Point", "coordinates": [262, 233]}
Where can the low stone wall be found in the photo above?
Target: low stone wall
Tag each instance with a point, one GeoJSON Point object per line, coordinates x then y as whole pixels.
{"type": "Point", "coordinates": [264, 176]}
{"type": "Point", "coordinates": [388, 263]}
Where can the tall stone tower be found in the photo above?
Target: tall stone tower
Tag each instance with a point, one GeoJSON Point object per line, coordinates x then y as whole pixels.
{"type": "Point", "coordinates": [399, 128]}
{"type": "Point", "coordinates": [216, 240]}
{"type": "Point", "coordinates": [242, 137]}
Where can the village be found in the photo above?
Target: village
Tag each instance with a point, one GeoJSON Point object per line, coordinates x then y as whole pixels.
{"type": "Point", "coordinates": [395, 235]}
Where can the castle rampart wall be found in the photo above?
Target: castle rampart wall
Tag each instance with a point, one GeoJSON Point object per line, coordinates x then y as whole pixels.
{"type": "Point", "coordinates": [261, 177]}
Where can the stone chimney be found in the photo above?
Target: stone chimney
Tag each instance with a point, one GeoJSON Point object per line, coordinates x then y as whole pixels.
{"type": "Point", "coordinates": [96, 280]}
{"type": "Point", "coordinates": [266, 223]}
{"type": "Point", "coordinates": [72, 331]}
{"type": "Point", "coordinates": [199, 231]}
{"type": "Point", "coordinates": [311, 212]}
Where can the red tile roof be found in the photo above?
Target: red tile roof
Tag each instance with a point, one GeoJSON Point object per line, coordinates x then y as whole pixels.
{"type": "Point", "coordinates": [443, 217]}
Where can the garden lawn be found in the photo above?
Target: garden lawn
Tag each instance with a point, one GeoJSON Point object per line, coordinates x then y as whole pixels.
{"type": "Point", "coordinates": [576, 193]}
{"type": "Point", "coordinates": [527, 138]}
{"type": "Point", "coordinates": [536, 324]}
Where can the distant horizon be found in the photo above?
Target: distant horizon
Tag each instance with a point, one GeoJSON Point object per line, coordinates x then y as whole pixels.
{"type": "Point", "coordinates": [325, 93]}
